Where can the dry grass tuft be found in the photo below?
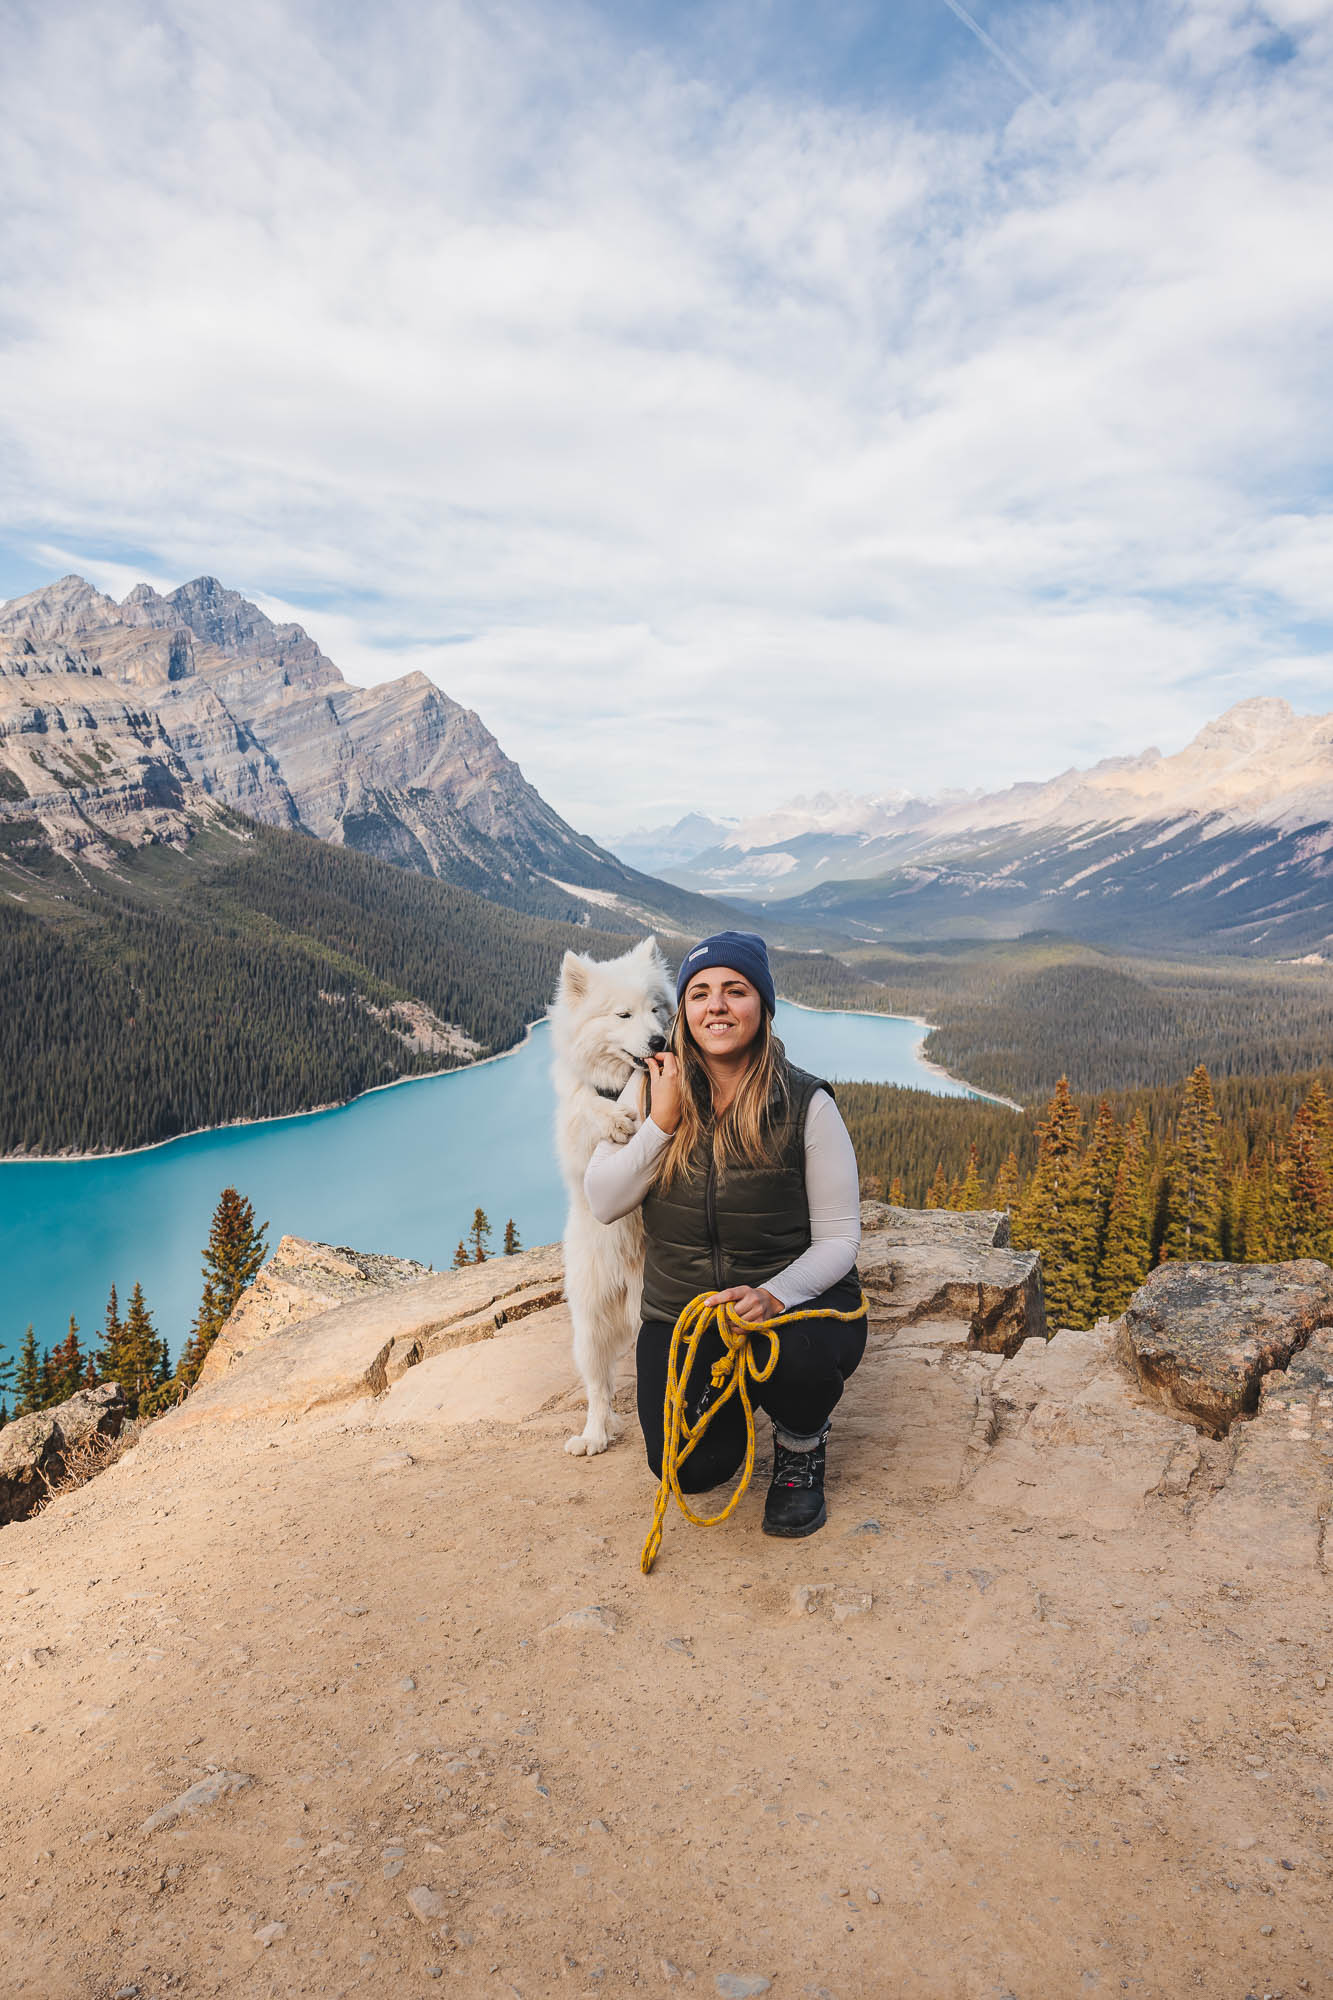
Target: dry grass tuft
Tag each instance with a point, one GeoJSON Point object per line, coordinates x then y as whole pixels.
{"type": "Point", "coordinates": [84, 1460]}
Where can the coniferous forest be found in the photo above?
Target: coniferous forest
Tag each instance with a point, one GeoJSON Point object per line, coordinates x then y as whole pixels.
{"type": "Point", "coordinates": [1107, 1188]}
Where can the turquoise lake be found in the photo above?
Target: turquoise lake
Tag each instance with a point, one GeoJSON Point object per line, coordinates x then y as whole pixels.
{"type": "Point", "coordinates": [400, 1170]}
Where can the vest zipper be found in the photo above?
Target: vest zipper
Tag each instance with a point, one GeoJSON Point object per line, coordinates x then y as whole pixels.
{"type": "Point", "coordinates": [710, 1214]}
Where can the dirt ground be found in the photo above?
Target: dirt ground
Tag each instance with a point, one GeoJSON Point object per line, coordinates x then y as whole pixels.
{"type": "Point", "coordinates": [965, 1743]}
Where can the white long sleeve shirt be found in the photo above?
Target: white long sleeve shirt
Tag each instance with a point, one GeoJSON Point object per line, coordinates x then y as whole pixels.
{"type": "Point", "coordinates": [619, 1176]}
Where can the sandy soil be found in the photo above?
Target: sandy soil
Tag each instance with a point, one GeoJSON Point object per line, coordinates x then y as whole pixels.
{"type": "Point", "coordinates": [948, 1747]}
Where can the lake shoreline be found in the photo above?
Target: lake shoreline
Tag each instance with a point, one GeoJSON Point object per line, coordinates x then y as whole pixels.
{"type": "Point", "coordinates": [466, 1069]}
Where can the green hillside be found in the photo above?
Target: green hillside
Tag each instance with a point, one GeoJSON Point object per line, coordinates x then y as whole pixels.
{"type": "Point", "coordinates": [234, 982]}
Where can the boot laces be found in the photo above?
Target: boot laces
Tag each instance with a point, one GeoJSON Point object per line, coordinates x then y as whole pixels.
{"type": "Point", "coordinates": [796, 1469]}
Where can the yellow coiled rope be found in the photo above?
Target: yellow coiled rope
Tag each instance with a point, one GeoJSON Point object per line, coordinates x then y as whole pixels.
{"type": "Point", "coordinates": [733, 1372]}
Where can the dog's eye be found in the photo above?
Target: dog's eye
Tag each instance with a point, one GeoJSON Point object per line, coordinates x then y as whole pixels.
{"type": "Point", "coordinates": [624, 1016]}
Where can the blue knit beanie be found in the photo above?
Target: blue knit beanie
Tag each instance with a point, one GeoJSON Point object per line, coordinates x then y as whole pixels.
{"type": "Point", "coordinates": [742, 951]}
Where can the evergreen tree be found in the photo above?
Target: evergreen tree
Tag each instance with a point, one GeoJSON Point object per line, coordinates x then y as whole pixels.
{"type": "Point", "coordinates": [232, 1257]}
{"type": "Point", "coordinates": [6, 1387]}
{"type": "Point", "coordinates": [1100, 1172]}
{"type": "Point", "coordinates": [141, 1349]}
{"type": "Point", "coordinates": [970, 1194]}
{"type": "Point", "coordinates": [1127, 1255]}
{"type": "Point", "coordinates": [896, 1191]}
{"type": "Point", "coordinates": [1056, 1217]}
{"type": "Point", "coordinates": [1306, 1197]}
{"type": "Point", "coordinates": [461, 1258]}
{"type": "Point", "coordinates": [48, 1391]}
{"type": "Point", "coordinates": [512, 1244]}
{"type": "Point", "coordinates": [1008, 1183]}
{"type": "Point", "coordinates": [480, 1234]}
{"type": "Point", "coordinates": [1194, 1195]}
{"type": "Point", "coordinates": [111, 1359]}
{"type": "Point", "coordinates": [28, 1377]}
{"type": "Point", "coordinates": [937, 1194]}
{"type": "Point", "coordinates": [67, 1365]}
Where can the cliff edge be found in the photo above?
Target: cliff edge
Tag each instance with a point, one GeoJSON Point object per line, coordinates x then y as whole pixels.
{"type": "Point", "coordinates": [345, 1679]}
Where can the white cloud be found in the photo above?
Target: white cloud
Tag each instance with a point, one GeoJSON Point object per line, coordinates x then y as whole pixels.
{"type": "Point", "coordinates": [737, 444]}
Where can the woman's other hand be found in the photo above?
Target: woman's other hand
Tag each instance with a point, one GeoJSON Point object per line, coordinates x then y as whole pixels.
{"type": "Point", "coordinates": [664, 1091]}
{"type": "Point", "coordinates": [748, 1302]}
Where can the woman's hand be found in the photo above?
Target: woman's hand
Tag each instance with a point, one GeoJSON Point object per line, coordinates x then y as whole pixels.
{"type": "Point", "coordinates": [748, 1302]}
{"type": "Point", "coordinates": [664, 1091]}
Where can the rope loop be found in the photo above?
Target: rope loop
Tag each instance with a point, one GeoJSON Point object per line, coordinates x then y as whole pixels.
{"type": "Point", "coordinates": [732, 1373]}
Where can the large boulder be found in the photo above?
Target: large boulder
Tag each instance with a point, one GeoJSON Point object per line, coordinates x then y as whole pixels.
{"type": "Point", "coordinates": [937, 1267]}
{"type": "Point", "coordinates": [34, 1450]}
{"type": "Point", "coordinates": [1199, 1338]}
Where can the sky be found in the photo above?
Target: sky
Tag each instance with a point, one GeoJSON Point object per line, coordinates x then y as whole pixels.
{"type": "Point", "coordinates": [728, 401]}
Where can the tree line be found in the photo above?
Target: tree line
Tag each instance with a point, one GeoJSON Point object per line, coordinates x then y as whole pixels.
{"type": "Point", "coordinates": [130, 1350]}
{"type": "Point", "coordinates": [1106, 1191]}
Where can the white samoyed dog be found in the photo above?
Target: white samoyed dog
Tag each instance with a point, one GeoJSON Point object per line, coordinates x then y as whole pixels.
{"type": "Point", "coordinates": [606, 1018]}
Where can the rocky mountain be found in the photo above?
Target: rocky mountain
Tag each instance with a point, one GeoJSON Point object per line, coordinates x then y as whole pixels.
{"type": "Point", "coordinates": [654, 848]}
{"type": "Point", "coordinates": [131, 722]}
{"type": "Point", "coordinates": [1228, 842]}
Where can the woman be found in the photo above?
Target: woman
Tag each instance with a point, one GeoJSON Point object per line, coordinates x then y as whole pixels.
{"type": "Point", "coordinates": [748, 1183]}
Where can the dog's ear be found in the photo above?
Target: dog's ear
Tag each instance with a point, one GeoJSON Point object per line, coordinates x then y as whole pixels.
{"type": "Point", "coordinates": [573, 976]}
{"type": "Point", "coordinates": [648, 948]}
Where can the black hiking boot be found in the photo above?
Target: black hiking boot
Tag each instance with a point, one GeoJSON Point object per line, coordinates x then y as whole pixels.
{"type": "Point", "coordinates": [795, 1504]}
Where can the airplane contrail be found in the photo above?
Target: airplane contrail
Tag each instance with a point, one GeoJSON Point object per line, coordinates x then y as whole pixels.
{"type": "Point", "coordinates": [999, 54]}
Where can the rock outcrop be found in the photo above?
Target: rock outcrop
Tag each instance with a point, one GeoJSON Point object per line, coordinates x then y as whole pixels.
{"type": "Point", "coordinates": [1200, 1338]}
{"type": "Point", "coordinates": [34, 1449]}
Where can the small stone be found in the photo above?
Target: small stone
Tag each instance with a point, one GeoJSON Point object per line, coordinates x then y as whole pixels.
{"type": "Point", "coordinates": [207, 1792]}
{"type": "Point", "coordinates": [590, 1618]}
{"type": "Point", "coordinates": [872, 1895]}
{"type": "Point", "coordinates": [668, 1971]}
{"type": "Point", "coordinates": [343, 1890]}
{"type": "Point", "coordinates": [866, 1528]}
{"type": "Point", "coordinates": [392, 1461]}
{"type": "Point", "coordinates": [807, 1597]}
{"type": "Point", "coordinates": [269, 1934]}
{"type": "Point", "coordinates": [425, 1903]}
{"type": "Point", "coordinates": [435, 1972]}
{"type": "Point", "coordinates": [393, 1868]}
{"type": "Point", "coordinates": [1321, 1682]}
{"type": "Point", "coordinates": [1265, 1930]}
{"type": "Point", "coordinates": [741, 1985]}
{"type": "Point", "coordinates": [599, 1826]}
{"type": "Point", "coordinates": [127, 1992]}
{"type": "Point", "coordinates": [407, 1685]}
{"type": "Point", "coordinates": [1247, 1840]}
{"type": "Point", "coordinates": [853, 1605]}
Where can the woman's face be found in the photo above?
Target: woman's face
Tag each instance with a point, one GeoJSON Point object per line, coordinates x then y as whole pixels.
{"type": "Point", "coordinates": [723, 1012]}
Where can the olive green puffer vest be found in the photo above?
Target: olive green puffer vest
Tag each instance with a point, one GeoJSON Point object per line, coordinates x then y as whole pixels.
{"type": "Point", "coordinates": [742, 1227]}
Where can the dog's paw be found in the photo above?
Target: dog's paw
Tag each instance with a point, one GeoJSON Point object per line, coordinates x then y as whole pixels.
{"type": "Point", "coordinates": [622, 1127]}
{"type": "Point", "coordinates": [587, 1444]}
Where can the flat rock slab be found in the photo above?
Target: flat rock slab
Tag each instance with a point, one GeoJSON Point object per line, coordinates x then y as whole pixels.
{"type": "Point", "coordinates": [503, 1380]}
{"type": "Point", "coordinates": [1199, 1338]}
{"type": "Point", "coordinates": [356, 1349]}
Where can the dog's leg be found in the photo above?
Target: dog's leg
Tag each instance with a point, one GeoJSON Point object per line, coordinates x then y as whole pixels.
{"type": "Point", "coordinates": [598, 1339]}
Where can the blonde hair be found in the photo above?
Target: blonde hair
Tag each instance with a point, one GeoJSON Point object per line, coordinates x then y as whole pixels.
{"type": "Point", "coordinates": [742, 1135]}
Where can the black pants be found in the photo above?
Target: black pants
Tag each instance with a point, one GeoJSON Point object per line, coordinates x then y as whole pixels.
{"type": "Point", "coordinates": [815, 1358]}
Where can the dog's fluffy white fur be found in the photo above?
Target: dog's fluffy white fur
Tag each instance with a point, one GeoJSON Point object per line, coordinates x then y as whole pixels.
{"type": "Point", "coordinates": [603, 1019]}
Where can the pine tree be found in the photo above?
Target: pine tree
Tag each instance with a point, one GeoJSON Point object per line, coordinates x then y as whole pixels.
{"type": "Point", "coordinates": [896, 1191]}
{"type": "Point", "coordinates": [1102, 1165]}
{"type": "Point", "coordinates": [67, 1365]}
{"type": "Point", "coordinates": [1008, 1183]}
{"type": "Point", "coordinates": [461, 1258]}
{"type": "Point", "coordinates": [28, 1377]}
{"type": "Point", "coordinates": [6, 1387]}
{"type": "Point", "coordinates": [970, 1194]}
{"type": "Point", "coordinates": [1305, 1194]}
{"type": "Point", "coordinates": [480, 1234]}
{"type": "Point", "coordinates": [232, 1257]}
{"type": "Point", "coordinates": [937, 1194]}
{"type": "Point", "coordinates": [1194, 1195]}
{"type": "Point", "coordinates": [111, 1359]}
{"type": "Point", "coordinates": [141, 1348]}
{"type": "Point", "coordinates": [512, 1244]}
{"type": "Point", "coordinates": [1056, 1216]}
{"type": "Point", "coordinates": [1127, 1253]}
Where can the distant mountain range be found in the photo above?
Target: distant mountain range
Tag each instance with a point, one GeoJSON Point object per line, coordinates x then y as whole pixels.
{"type": "Point", "coordinates": [126, 724]}
{"type": "Point", "coordinates": [1228, 845]}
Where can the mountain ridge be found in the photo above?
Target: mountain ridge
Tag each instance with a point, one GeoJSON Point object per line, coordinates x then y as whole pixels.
{"type": "Point", "coordinates": [133, 722]}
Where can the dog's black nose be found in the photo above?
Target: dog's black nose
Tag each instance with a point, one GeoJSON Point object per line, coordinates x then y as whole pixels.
{"type": "Point", "coordinates": [656, 1044]}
